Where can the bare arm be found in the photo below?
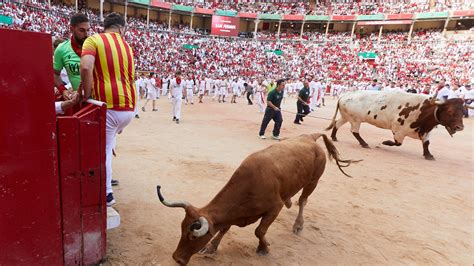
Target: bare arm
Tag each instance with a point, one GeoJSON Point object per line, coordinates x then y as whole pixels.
{"type": "Point", "coordinates": [87, 67]}
{"type": "Point", "coordinates": [57, 79]}
{"type": "Point", "coordinates": [58, 83]}
{"type": "Point", "coordinates": [301, 100]}
{"type": "Point", "coordinates": [271, 105]}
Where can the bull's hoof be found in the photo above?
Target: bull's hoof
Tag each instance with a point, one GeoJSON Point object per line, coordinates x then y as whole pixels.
{"type": "Point", "coordinates": [334, 139]}
{"type": "Point", "coordinates": [297, 229]}
{"type": "Point", "coordinates": [365, 145]}
{"type": "Point", "coordinates": [429, 157]}
{"type": "Point", "coordinates": [262, 251]}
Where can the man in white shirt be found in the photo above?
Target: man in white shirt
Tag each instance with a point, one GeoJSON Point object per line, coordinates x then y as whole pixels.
{"type": "Point", "coordinates": [137, 89]}
{"type": "Point", "coordinates": [189, 83]}
{"type": "Point", "coordinates": [392, 87]}
{"type": "Point", "coordinates": [443, 93]}
{"type": "Point", "coordinates": [374, 86]}
{"type": "Point", "coordinates": [313, 92]}
{"type": "Point", "coordinates": [177, 92]}
{"type": "Point", "coordinates": [164, 85]}
{"type": "Point", "coordinates": [202, 88]}
{"type": "Point", "coordinates": [222, 90]}
{"type": "Point", "coordinates": [455, 92]}
{"type": "Point", "coordinates": [469, 100]}
{"type": "Point", "coordinates": [321, 92]}
{"type": "Point", "coordinates": [235, 90]}
{"type": "Point", "coordinates": [151, 91]}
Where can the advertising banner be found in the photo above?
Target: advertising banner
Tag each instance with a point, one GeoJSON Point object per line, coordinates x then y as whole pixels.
{"type": "Point", "coordinates": [225, 26]}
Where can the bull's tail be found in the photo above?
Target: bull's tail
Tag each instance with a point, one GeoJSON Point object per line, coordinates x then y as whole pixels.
{"type": "Point", "coordinates": [333, 153]}
{"type": "Point", "coordinates": [333, 122]}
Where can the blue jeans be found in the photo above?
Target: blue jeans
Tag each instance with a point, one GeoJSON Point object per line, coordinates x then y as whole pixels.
{"type": "Point", "coordinates": [269, 115]}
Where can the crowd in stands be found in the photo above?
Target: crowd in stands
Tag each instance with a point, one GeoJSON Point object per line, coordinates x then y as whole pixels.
{"type": "Point", "coordinates": [332, 7]}
{"type": "Point", "coordinates": [428, 57]}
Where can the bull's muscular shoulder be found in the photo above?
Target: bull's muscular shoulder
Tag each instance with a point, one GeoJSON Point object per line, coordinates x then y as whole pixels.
{"type": "Point", "coordinates": [426, 121]}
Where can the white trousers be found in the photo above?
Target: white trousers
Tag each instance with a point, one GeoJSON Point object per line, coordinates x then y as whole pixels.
{"type": "Point", "coordinates": [314, 99]}
{"type": "Point", "coordinates": [189, 95]}
{"type": "Point", "coordinates": [115, 122]}
{"type": "Point", "coordinates": [177, 101]}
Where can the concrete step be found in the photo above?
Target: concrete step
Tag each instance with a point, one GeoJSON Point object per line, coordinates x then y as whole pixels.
{"type": "Point", "coordinates": [113, 218]}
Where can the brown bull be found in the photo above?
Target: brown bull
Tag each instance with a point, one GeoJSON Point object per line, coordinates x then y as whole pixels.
{"type": "Point", "coordinates": [264, 182]}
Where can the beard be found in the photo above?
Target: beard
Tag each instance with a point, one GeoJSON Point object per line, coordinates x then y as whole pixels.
{"type": "Point", "coordinates": [79, 41]}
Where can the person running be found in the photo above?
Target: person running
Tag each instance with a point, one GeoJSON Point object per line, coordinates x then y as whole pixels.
{"type": "Point", "coordinates": [273, 111]}
{"type": "Point", "coordinates": [150, 86]}
{"type": "Point", "coordinates": [302, 103]}
{"type": "Point", "coordinates": [177, 91]}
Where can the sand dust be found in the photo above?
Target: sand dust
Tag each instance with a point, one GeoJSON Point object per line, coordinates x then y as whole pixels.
{"type": "Point", "coordinates": [397, 209]}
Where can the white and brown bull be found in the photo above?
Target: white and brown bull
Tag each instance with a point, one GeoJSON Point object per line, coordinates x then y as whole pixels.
{"type": "Point", "coordinates": [264, 183]}
{"type": "Point", "coordinates": [405, 114]}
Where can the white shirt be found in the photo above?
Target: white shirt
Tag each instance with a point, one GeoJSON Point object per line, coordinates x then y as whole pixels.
{"type": "Point", "coordinates": [469, 94]}
{"type": "Point", "coordinates": [150, 84]}
{"type": "Point", "coordinates": [176, 89]}
{"type": "Point", "coordinates": [454, 94]}
{"type": "Point", "coordinates": [164, 85]}
{"type": "Point", "coordinates": [189, 84]}
{"type": "Point", "coordinates": [235, 86]}
{"type": "Point", "coordinates": [442, 93]}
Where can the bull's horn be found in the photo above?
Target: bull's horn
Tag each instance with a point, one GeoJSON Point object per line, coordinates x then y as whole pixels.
{"type": "Point", "coordinates": [171, 204]}
{"type": "Point", "coordinates": [204, 227]}
{"type": "Point", "coordinates": [469, 107]}
{"type": "Point", "coordinates": [433, 98]}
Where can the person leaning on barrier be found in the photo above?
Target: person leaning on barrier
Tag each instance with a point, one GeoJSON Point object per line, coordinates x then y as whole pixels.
{"type": "Point", "coordinates": [108, 75]}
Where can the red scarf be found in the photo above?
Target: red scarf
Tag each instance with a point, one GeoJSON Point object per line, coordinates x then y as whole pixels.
{"type": "Point", "coordinates": [77, 49]}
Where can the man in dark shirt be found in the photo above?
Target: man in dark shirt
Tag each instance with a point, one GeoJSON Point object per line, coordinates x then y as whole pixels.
{"type": "Point", "coordinates": [249, 90]}
{"type": "Point", "coordinates": [302, 103]}
{"type": "Point", "coordinates": [273, 111]}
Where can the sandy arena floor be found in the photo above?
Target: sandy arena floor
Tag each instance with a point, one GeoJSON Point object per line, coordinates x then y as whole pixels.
{"type": "Point", "coordinates": [397, 209]}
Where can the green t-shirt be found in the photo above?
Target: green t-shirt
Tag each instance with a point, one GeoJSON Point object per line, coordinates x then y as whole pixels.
{"type": "Point", "coordinates": [270, 87]}
{"type": "Point", "coordinates": [304, 94]}
{"type": "Point", "coordinates": [65, 57]}
{"type": "Point", "coordinates": [275, 97]}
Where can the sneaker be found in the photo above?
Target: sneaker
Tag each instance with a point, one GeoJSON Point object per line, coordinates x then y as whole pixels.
{"type": "Point", "coordinates": [115, 182]}
{"type": "Point", "coordinates": [276, 137]}
{"type": "Point", "coordinates": [137, 116]}
{"type": "Point", "coordinates": [154, 110]}
{"type": "Point", "coordinates": [174, 118]}
{"type": "Point", "coordinates": [110, 199]}
{"type": "Point", "coordinates": [262, 136]}
{"type": "Point", "coordinates": [143, 109]}
{"type": "Point", "coordinates": [177, 121]}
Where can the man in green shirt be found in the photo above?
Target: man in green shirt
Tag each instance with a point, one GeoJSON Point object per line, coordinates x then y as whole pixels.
{"type": "Point", "coordinates": [302, 104]}
{"type": "Point", "coordinates": [273, 111]}
{"type": "Point", "coordinates": [68, 55]}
